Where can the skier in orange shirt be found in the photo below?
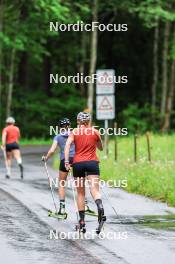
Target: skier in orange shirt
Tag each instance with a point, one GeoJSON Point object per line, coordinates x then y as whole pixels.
{"type": "Point", "coordinates": [10, 145]}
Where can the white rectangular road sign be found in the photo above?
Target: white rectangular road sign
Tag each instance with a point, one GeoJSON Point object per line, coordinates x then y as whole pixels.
{"type": "Point", "coordinates": [105, 82]}
{"type": "Point", "coordinates": [105, 107]}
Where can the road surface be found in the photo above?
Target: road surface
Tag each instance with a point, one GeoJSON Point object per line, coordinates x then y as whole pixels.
{"type": "Point", "coordinates": [143, 232]}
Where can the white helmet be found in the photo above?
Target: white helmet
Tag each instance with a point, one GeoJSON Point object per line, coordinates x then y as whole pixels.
{"type": "Point", "coordinates": [10, 120]}
{"type": "Point", "coordinates": [84, 116]}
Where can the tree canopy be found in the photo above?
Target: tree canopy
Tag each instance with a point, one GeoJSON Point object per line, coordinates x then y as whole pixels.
{"type": "Point", "coordinates": [29, 52]}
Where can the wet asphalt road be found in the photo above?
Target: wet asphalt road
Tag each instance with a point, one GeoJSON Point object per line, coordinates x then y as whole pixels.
{"type": "Point", "coordinates": [144, 230]}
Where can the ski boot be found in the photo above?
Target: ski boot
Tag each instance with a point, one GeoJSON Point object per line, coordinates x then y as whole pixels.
{"type": "Point", "coordinates": [21, 171]}
{"type": "Point", "coordinates": [62, 213]}
{"type": "Point", "coordinates": [81, 227]}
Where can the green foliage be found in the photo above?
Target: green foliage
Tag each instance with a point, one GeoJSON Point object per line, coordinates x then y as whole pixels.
{"type": "Point", "coordinates": [150, 11]}
{"type": "Point", "coordinates": [40, 112]}
{"type": "Point", "coordinates": [137, 119]}
{"type": "Point", "coordinates": [26, 29]}
{"type": "Point", "coordinates": [40, 52]}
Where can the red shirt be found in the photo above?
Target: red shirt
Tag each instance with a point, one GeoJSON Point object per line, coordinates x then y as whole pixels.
{"type": "Point", "coordinates": [13, 134]}
{"type": "Point", "coordinates": [85, 140]}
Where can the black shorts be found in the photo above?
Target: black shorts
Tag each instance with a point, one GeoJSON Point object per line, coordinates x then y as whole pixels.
{"type": "Point", "coordinates": [12, 146]}
{"type": "Point", "coordinates": [62, 164]}
{"type": "Point", "coordinates": [85, 168]}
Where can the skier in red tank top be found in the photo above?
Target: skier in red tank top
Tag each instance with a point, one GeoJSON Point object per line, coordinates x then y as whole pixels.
{"type": "Point", "coordinates": [85, 164]}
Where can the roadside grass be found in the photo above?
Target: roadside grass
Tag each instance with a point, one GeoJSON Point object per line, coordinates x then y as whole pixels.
{"type": "Point", "coordinates": [154, 179]}
{"type": "Point", "coordinates": [35, 141]}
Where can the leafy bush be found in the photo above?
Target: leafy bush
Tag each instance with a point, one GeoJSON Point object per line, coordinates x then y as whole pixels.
{"type": "Point", "coordinates": [139, 119]}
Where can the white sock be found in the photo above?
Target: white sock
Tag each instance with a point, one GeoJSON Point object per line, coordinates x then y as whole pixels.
{"type": "Point", "coordinates": [8, 170]}
{"type": "Point", "coordinates": [19, 161]}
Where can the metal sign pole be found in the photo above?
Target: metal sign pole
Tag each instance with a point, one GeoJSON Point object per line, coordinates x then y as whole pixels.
{"type": "Point", "coordinates": [106, 139]}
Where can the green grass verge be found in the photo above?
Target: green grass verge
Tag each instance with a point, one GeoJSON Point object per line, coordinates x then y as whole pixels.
{"type": "Point", "coordinates": [35, 141]}
{"type": "Point", "coordinates": [155, 179]}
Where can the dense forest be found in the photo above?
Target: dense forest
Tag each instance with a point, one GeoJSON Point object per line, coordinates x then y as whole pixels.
{"type": "Point", "coordinates": [29, 52]}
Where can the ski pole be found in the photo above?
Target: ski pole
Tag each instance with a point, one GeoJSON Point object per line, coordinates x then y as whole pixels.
{"type": "Point", "coordinates": [107, 197]}
{"type": "Point", "coordinates": [49, 179]}
{"type": "Point", "coordinates": [73, 191]}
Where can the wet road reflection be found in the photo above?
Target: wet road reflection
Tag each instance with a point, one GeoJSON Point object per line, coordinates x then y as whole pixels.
{"type": "Point", "coordinates": [154, 221]}
{"type": "Point", "coordinates": [29, 236]}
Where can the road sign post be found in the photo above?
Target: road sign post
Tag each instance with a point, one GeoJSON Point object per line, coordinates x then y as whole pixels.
{"type": "Point", "coordinates": [115, 144]}
{"type": "Point", "coordinates": [106, 139]}
{"type": "Point", "coordinates": [105, 100]}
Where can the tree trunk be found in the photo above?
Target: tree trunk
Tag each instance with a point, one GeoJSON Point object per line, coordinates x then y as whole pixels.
{"type": "Point", "coordinates": [46, 73]}
{"type": "Point", "coordinates": [10, 85]}
{"type": "Point", "coordinates": [82, 61]}
{"type": "Point", "coordinates": [23, 71]}
{"type": "Point", "coordinates": [171, 94]}
{"type": "Point", "coordinates": [165, 68]}
{"type": "Point", "coordinates": [93, 57]}
{"type": "Point", "coordinates": [155, 67]}
{"type": "Point", "coordinates": [170, 99]}
{"type": "Point", "coordinates": [1, 29]}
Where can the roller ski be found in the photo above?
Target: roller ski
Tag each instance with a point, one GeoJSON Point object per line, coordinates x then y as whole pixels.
{"type": "Point", "coordinates": [61, 214]}
{"type": "Point", "coordinates": [57, 215]}
{"type": "Point", "coordinates": [101, 221]}
{"type": "Point", "coordinates": [88, 211]}
{"type": "Point", "coordinates": [81, 227]}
